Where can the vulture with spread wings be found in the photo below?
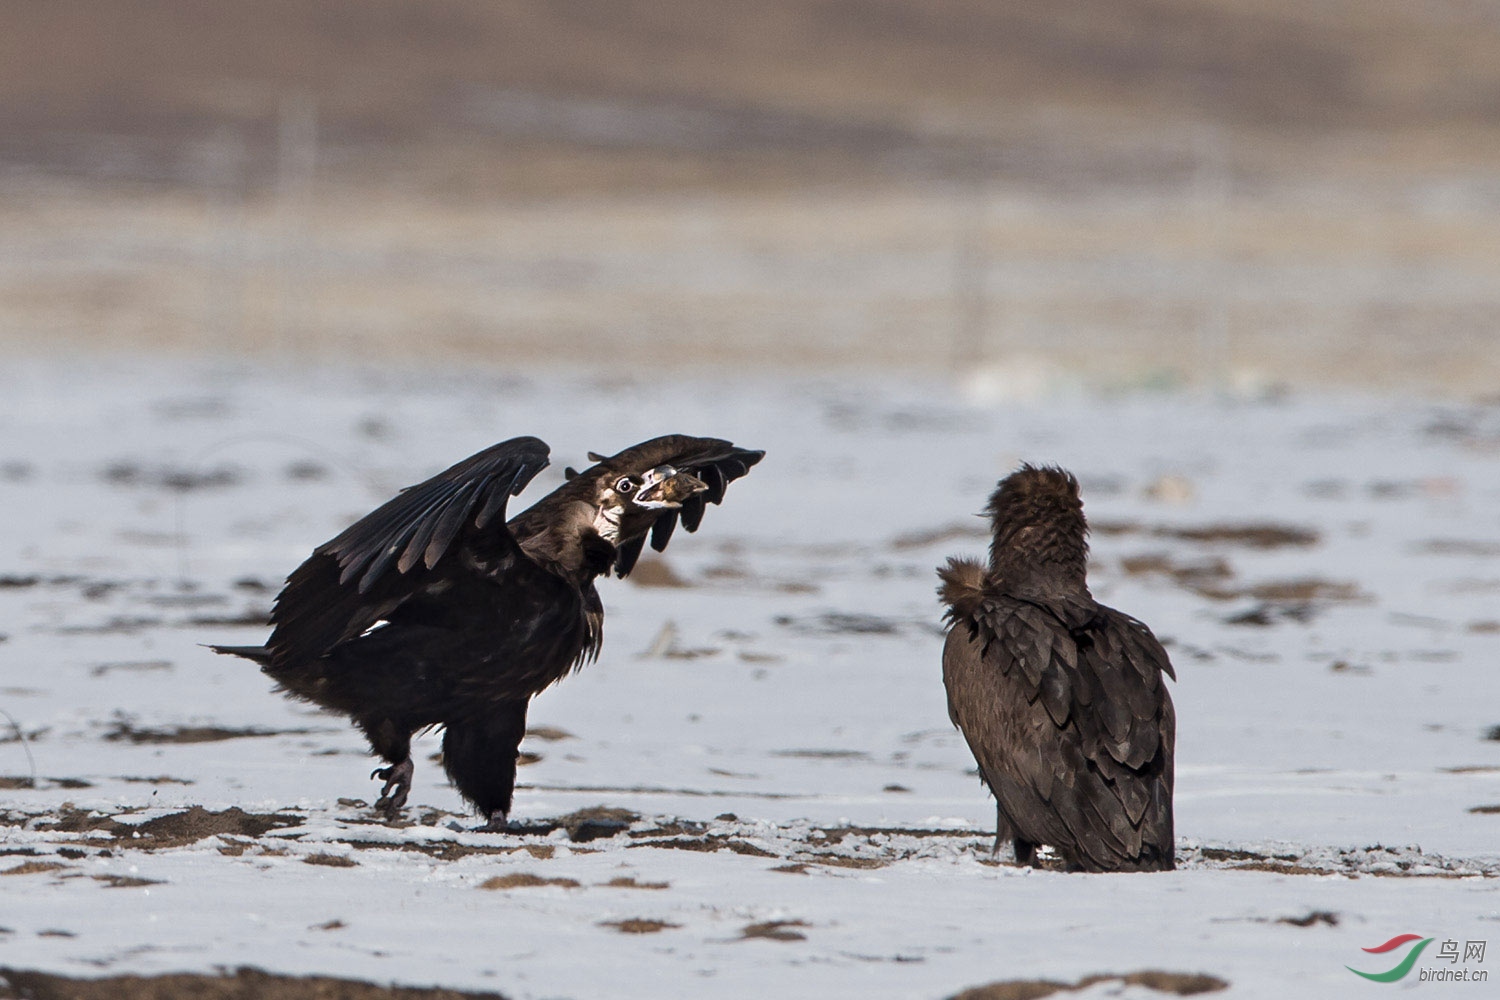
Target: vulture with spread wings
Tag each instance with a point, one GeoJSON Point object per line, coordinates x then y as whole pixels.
{"type": "Point", "coordinates": [433, 609]}
{"type": "Point", "coordinates": [1062, 700]}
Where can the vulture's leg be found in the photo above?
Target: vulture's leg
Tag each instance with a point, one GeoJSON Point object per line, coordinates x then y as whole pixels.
{"type": "Point", "coordinates": [1025, 852]}
{"type": "Point", "coordinates": [1003, 829]}
{"type": "Point", "coordinates": [393, 742]}
{"type": "Point", "coordinates": [479, 754]}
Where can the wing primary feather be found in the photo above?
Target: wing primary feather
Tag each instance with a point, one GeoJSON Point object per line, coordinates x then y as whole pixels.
{"type": "Point", "coordinates": [692, 513]}
{"type": "Point", "coordinates": [424, 535]}
{"type": "Point", "coordinates": [713, 477]}
{"type": "Point", "coordinates": [444, 530]}
{"type": "Point", "coordinates": [661, 531]}
{"type": "Point", "coordinates": [629, 552]}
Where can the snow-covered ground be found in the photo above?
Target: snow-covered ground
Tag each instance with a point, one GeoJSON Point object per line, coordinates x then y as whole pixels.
{"type": "Point", "coordinates": [787, 810]}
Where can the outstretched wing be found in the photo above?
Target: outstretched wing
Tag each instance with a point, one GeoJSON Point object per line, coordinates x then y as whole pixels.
{"type": "Point", "coordinates": [718, 463]}
{"type": "Point", "coordinates": [713, 460]}
{"type": "Point", "coordinates": [377, 563]}
{"type": "Point", "coordinates": [1073, 729]}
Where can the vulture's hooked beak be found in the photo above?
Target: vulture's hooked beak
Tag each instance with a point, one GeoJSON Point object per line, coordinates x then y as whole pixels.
{"type": "Point", "coordinates": [666, 488]}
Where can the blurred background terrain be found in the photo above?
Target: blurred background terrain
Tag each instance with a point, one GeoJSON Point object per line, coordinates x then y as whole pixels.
{"type": "Point", "coordinates": [1124, 192]}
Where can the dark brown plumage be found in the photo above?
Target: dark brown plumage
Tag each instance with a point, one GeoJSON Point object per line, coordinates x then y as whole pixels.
{"type": "Point", "coordinates": [1061, 699]}
{"type": "Point", "coordinates": [433, 610]}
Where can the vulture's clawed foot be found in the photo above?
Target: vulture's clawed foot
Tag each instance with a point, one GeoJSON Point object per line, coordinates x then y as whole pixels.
{"type": "Point", "coordinates": [397, 780]}
{"type": "Point", "coordinates": [498, 823]}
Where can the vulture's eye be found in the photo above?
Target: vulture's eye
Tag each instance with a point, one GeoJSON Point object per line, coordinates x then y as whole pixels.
{"type": "Point", "coordinates": [625, 487]}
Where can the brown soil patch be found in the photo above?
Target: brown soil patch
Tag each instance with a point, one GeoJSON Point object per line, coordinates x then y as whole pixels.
{"type": "Point", "coordinates": [1203, 573]}
{"type": "Point", "coordinates": [34, 868]}
{"type": "Point", "coordinates": [1183, 984]}
{"type": "Point", "coordinates": [124, 731]}
{"type": "Point", "coordinates": [1254, 535]}
{"type": "Point", "coordinates": [1178, 983]}
{"type": "Point", "coordinates": [597, 822]}
{"type": "Point", "coordinates": [775, 930]}
{"type": "Point", "coordinates": [655, 573]}
{"type": "Point", "coordinates": [526, 880]}
{"type": "Point", "coordinates": [639, 926]}
{"type": "Point", "coordinates": [948, 533]}
{"type": "Point", "coordinates": [625, 882]}
{"type": "Point", "coordinates": [330, 860]}
{"type": "Point", "coordinates": [1376, 861]}
{"type": "Point", "coordinates": [707, 844]}
{"type": "Point", "coordinates": [242, 984]}
{"type": "Point", "coordinates": [65, 783]}
{"type": "Point", "coordinates": [845, 861]}
{"type": "Point", "coordinates": [1305, 589]}
{"type": "Point", "coordinates": [175, 829]}
{"type": "Point", "coordinates": [549, 733]}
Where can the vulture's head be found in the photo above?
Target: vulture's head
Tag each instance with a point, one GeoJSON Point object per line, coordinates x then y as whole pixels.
{"type": "Point", "coordinates": [628, 504]}
{"type": "Point", "coordinates": [1039, 526]}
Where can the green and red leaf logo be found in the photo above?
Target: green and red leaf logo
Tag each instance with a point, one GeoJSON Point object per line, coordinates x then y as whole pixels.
{"type": "Point", "coordinates": [1402, 967]}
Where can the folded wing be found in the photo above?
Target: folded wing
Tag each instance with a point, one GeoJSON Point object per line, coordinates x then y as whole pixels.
{"type": "Point", "coordinates": [1073, 729]}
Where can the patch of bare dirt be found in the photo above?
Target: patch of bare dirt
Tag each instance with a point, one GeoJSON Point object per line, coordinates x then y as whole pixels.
{"type": "Point", "coordinates": [655, 573]}
{"type": "Point", "coordinates": [551, 734]}
{"type": "Point", "coordinates": [330, 860]}
{"type": "Point", "coordinates": [526, 880]}
{"type": "Point", "coordinates": [637, 925]}
{"type": "Point", "coordinates": [775, 930]}
{"type": "Point", "coordinates": [125, 731]}
{"type": "Point", "coordinates": [1254, 535]}
{"type": "Point", "coordinates": [34, 868]}
{"type": "Point", "coordinates": [172, 830]}
{"type": "Point", "coordinates": [1377, 860]}
{"type": "Point", "coordinates": [626, 882]}
{"type": "Point", "coordinates": [17, 781]}
{"type": "Point", "coordinates": [1178, 983]}
{"type": "Point", "coordinates": [948, 533]}
{"type": "Point", "coordinates": [241, 984]}
{"type": "Point", "coordinates": [707, 844]}
{"type": "Point", "coordinates": [1206, 577]}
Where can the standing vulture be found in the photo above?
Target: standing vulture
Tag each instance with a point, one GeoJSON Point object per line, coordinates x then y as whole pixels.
{"type": "Point", "coordinates": [434, 610]}
{"type": "Point", "coordinates": [1061, 699]}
